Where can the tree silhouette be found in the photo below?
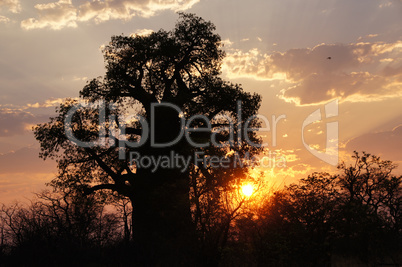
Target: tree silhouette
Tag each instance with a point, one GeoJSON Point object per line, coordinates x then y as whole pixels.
{"type": "Point", "coordinates": [349, 218]}
{"type": "Point", "coordinates": [311, 223]}
{"type": "Point", "coordinates": [369, 209]}
{"type": "Point", "coordinates": [179, 67]}
{"type": "Point", "coordinates": [58, 228]}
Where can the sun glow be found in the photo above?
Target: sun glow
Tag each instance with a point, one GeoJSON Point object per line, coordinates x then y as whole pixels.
{"type": "Point", "coordinates": [247, 190]}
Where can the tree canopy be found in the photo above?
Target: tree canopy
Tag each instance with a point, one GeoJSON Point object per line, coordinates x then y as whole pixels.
{"type": "Point", "coordinates": [152, 85]}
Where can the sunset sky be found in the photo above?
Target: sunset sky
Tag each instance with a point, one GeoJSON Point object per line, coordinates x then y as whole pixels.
{"type": "Point", "coordinates": [298, 54]}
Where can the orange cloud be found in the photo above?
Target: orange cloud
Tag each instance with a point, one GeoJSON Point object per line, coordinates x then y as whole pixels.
{"type": "Point", "coordinates": [53, 102]}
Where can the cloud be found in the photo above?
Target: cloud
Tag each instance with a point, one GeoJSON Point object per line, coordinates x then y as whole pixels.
{"type": "Point", "coordinates": [25, 160]}
{"type": "Point", "coordinates": [63, 13]}
{"type": "Point", "coordinates": [350, 72]}
{"type": "Point", "coordinates": [227, 42]}
{"type": "Point", "coordinates": [53, 102]}
{"type": "Point", "coordinates": [18, 120]}
{"type": "Point", "coordinates": [15, 109]}
{"type": "Point", "coordinates": [373, 35]}
{"type": "Point", "coordinates": [385, 4]}
{"type": "Point", "coordinates": [119, 9]}
{"type": "Point", "coordinates": [14, 122]}
{"type": "Point", "coordinates": [13, 6]}
{"type": "Point", "coordinates": [351, 87]}
{"type": "Point", "coordinates": [388, 144]}
{"type": "Point", "coordinates": [55, 16]}
{"type": "Point", "coordinates": [4, 19]}
{"type": "Point", "coordinates": [142, 32]}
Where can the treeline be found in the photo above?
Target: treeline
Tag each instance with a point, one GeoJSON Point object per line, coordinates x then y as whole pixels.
{"type": "Point", "coordinates": [64, 229]}
{"type": "Point", "coordinates": [352, 218]}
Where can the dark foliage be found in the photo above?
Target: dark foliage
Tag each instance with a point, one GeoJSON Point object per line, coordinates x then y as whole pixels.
{"type": "Point", "coordinates": [192, 216]}
{"type": "Point", "coordinates": [60, 229]}
{"type": "Point", "coordinates": [348, 219]}
{"type": "Point", "coordinates": [179, 67]}
{"type": "Point", "coordinates": [352, 218]}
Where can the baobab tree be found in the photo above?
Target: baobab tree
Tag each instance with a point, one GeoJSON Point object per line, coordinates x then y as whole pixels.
{"type": "Point", "coordinates": [164, 116]}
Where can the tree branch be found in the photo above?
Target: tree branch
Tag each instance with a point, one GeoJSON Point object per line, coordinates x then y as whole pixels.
{"type": "Point", "coordinates": [102, 164]}
{"type": "Point", "coordinates": [90, 190]}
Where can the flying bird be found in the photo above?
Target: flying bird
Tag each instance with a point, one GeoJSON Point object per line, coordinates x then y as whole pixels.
{"type": "Point", "coordinates": [328, 57]}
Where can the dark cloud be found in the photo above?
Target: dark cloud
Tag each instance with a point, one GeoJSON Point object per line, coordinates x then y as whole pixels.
{"type": "Point", "coordinates": [353, 72]}
{"type": "Point", "coordinates": [317, 88]}
{"type": "Point", "coordinates": [388, 144]}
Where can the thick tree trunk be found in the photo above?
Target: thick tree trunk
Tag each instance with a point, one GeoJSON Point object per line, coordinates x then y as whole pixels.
{"type": "Point", "coordinates": [163, 231]}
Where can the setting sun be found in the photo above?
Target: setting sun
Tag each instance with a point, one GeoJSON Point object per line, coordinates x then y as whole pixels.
{"type": "Point", "coordinates": [247, 190]}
